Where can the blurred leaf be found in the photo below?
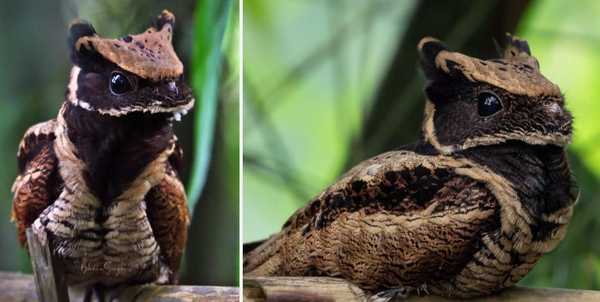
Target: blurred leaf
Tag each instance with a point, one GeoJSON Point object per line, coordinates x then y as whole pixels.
{"type": "Point", "coordinates": [212, 257]}
{"type": "Point", "coordinates": [596, 263]}
{"type": "Point", "coordinates": [211, 21]}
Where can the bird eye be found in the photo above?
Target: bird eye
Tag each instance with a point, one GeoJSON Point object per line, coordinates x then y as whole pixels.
{"type": "Point", "coordinates": [119, 83]}
{"type": "Point", "coordinates": [488, 104]}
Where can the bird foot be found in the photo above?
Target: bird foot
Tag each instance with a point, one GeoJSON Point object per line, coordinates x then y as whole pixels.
{"type": "Point", "coordinates": [387, 295]}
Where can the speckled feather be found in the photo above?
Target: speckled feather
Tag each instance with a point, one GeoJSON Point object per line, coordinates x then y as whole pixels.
{"type": "Point", "coordinates": [39, 186]}
{"type": "Point", "coordinates": [169, 216]}
{"type": "Point", "coordinates": [148, 55]}
{"type": "Point", "coordinates": [464, 212]}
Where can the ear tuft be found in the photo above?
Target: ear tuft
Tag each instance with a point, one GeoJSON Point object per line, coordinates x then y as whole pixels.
{"type": "Point", "coordinates": [520, 53]}
{"type": "Point", "coordinates": [80, 28]}
{"type": "Point", "coordinates": [82, 54]}
{"type": "Point", "coordinates": [165, 18]}
{"type": "Point", "coordinates": [429, 48]}
{"type": "Point", "coordinates": [518, 44]}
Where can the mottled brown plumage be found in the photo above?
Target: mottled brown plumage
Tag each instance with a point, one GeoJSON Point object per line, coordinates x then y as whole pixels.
{"type": "Point", "coordinates": [100, 183]}
{"type": "Point", "coordinates": [38, 183]}
{"type": "Point", "coordinates": [464, 212]}
{"type": "Point", "coordinates": [169, 215]}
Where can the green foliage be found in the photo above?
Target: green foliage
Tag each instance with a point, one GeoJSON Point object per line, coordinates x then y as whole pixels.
{"type": "Point", "coordinates": [33, 74]}
{"type": "Point", "coordinates": [211, 21]}
{"type": "Point", "coordinates": [215, 224]}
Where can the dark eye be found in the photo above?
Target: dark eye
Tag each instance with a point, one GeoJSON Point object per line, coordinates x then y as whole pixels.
{"type": "Point", "coordinates": [119, 83]}
{"type": "Point", "coordinates": [488, 104]}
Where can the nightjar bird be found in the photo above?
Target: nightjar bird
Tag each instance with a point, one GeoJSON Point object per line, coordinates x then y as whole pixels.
{"type": "Point", "coordinates": [100, 183]}
{"type": "Point", "coordinates": [465, 211]}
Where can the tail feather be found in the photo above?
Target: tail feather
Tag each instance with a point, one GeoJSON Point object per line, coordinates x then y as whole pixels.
{"type": "Point", "coordinates": [264, 258]}
{"type": "Point", "coordinates": [249, 247]}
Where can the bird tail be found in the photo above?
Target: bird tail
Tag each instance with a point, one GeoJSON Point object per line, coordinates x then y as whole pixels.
{"type": "Point", "coordinates": [265, 257]}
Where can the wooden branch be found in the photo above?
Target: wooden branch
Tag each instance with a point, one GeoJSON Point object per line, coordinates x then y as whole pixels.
{"type": "Point", "coordinates": [153, 293]}
{"type": "Point", "coordinates": [15, 287]}
{"type": "Point", "coordinates": [47, 271]}
{"type": "Point", "coordinates": [300, 289]}
{"type": "Point", "coordinates": [334, 289]}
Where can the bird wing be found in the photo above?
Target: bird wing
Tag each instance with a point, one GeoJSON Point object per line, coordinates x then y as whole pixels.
{"type": "Point", "coordinates": [397, 219]}
{"type": "Point", "coordinates": [168, 213]}
{"type": "Point", "coordinates": [38, 183]}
